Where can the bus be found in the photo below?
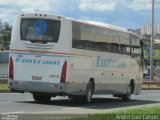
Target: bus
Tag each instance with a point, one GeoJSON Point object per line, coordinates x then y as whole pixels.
{"type": "Point", "coordinates": [52, 55]}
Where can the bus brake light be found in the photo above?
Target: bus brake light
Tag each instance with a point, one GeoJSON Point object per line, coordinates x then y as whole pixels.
{"type": "Point", "coordinates": [11, 71]}
{"type": "Point", "coordinates": [64, 71]}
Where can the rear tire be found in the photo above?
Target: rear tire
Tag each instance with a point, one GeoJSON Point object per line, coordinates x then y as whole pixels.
{"type": "Point", "coordinates": [41, 98]}
{"type": "Point", "coordinates": [89, 92]}
{"type": "Point", "coordinates": [127, 96]}
{"type": "Point", "coordinates": [75, 98]}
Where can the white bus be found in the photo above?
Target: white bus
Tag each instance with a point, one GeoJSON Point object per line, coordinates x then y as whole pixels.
{"type": "Point", "coordinates": [53, 55]}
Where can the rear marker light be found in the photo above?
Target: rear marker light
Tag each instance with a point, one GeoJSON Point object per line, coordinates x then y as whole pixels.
{"type": "Point", "coordinates": [63, 73]}
{"type": "Point", "coordinates": [11, 71]}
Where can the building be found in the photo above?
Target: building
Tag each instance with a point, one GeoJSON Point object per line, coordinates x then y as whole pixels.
{"type": "Point", "coordinates": [147, 29]}
{"type": "Point", "coordinates": [4, 59]}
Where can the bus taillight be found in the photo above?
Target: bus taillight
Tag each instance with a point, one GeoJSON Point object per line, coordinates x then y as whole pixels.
{"type": "Point", "coordinates": [64, 71]}
{"type": "Point", "coordinates": [11, 68]}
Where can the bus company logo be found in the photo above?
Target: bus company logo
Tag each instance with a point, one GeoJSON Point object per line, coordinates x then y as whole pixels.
{"type": "Point", "coordinates": [40, 27]}
{"type": "Point", "coordinates": [110, 63]}
{"type": "Point", "coordinates": [36, 61]}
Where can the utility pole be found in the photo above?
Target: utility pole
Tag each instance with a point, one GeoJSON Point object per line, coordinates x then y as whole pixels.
{"type": "Point", "coordinates": [152, 39]}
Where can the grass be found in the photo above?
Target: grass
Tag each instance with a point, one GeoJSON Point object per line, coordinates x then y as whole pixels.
{"type": "Point", "coordinates": [129, 114]}
{"type": "Point", "coordinates": [4, 87]}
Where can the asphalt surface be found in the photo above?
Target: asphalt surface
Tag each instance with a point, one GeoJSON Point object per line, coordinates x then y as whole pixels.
{"type": "Point", "coordinates": [24, 103]}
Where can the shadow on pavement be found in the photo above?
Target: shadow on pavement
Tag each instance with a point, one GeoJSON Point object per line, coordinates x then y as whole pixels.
{"type": "Point", "coordinates": [97, 103]}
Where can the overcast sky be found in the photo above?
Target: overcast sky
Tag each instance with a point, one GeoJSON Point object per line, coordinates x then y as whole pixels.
{"type": "Point", "coordinates": [124, 13]}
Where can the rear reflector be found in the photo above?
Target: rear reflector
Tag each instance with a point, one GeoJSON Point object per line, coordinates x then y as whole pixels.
{"type": "Point", "coordinates": [11, 68]}
{"type": "Point", "coordinates": [64, 71]}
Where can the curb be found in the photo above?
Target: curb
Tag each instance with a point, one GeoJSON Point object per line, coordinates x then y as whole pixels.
{"type": "Point", "coordinates": [3, 81]}
{"type": "Point", "coordinates": [151, 85]}
{"type": "Point", "coordinates": [151, 88]}
{"type": "Point", "coordinates": [5, 91]}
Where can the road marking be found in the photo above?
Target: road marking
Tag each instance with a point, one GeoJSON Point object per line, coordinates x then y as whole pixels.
{"type": "Point", "coordinates": [16, 112]}
{"type": "Point", "coordinates": [74, 108]}
{"type": "Point", "coordinates": [71, 108]}
{"type": "Point", "coordinates": [10, 93]}
{"type": "Point", "coordinates": [29, 99]}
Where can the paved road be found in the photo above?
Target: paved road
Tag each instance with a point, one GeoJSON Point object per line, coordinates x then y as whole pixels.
{"type": "Point", "coordinates": [24, 103]}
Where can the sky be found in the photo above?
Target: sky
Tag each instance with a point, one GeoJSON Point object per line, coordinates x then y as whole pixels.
{"type": "Point", "coordinates": [123, 13]}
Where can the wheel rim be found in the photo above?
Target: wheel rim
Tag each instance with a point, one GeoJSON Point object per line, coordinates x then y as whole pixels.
{"type": "Point", "coordinates": [129, 92]}
{"type": "Point", "coordinates": [89, 94]}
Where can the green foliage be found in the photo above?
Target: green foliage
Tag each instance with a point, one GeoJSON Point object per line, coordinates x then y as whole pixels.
{"type": "Point", "coordinates": [157, 54]}
{"type": "Point", "coordinates": [5, 34]}
{"type": "Point", "coordinates": [156, 46]}
{"type": "Point", "coordinates": [146, 54]}
{"type": "Point", "coordinates": [146, 39]}
{"type": "Point", "coordinates": [140, 112]}
{"type": "Point", "coordinates": [4, 87]}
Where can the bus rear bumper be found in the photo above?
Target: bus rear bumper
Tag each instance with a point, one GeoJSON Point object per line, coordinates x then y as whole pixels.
{"type": "Point", "coordinates": [45, 87]}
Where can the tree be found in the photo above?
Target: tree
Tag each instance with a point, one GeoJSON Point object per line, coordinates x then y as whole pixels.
{"type": "Point", "coordinates": [157, 54]}
{"type": "Point", "coordinates": [5, 34]}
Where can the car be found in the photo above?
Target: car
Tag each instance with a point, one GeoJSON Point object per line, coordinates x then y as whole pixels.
{"type": "Point", "coordinates": [156, 78]}
{"type": "Point", "coordinates": [146, 78]}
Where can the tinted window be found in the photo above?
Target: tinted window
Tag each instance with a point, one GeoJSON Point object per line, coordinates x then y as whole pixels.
{"type": "Point", "coordinates": [83, 36]}
{"type": "Point", "coordinates": [40, 30]}
{"type": "Point", "coordinates": [100, 39]}
{"type": "Point", "coordinates": [136, 50]}
{"type": "Point", "coordinates": [125, 44]}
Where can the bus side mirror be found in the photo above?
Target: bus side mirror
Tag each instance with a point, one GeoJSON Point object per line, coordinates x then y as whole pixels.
{"type": "Point", "coordinates": [142, 50]}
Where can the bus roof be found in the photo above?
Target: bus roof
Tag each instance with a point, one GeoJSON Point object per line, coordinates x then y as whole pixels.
{"type": "Point", "coordinates": [105, 25]}
{"type": "Point", "coordinates": [93, 23]}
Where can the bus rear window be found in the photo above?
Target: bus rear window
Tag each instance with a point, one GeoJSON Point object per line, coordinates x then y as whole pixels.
{"type": "Point", "coordinates": [40, 30]}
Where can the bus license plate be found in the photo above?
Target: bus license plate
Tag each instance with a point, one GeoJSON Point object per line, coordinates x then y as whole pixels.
{"type": "Point", "coordinates": [36, 77]}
